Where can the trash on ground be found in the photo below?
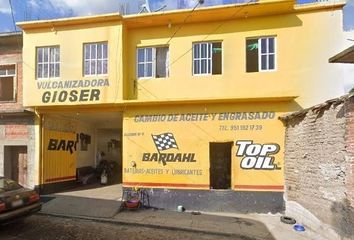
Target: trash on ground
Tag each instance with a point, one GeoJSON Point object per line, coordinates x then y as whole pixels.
{"type": "Point", "coordinates": [180, 208]}
{"type": "Point", "coordinates": [287, 220]}
{"type": "Point", "coordinates": [299, 228]}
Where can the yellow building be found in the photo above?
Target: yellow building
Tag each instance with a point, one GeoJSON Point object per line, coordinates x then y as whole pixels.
{"type": "Point", "coordinates": [185, 102]}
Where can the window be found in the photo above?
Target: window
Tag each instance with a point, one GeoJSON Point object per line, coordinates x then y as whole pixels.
{"type": "Point", "coordinates": [152, 62]}
{"type": "Point", "coordinates": [95, 59]}
{"type": "Point", "coordinates": [260, 54]}
{"type": "Point", "coordinates": [207, 58]}
{"type": "Point", "coordinates": [7, 86]}
{"type": "Point", "coordinates": [48, 62]}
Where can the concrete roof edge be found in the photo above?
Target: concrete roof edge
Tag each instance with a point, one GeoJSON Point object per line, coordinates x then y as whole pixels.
{"type": "Point", "coordinates": [72, 20]}
{"type": "Point", "coordinates": [10, 34]}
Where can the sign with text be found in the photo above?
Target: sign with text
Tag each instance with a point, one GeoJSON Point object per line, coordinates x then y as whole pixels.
{"type": "Point", "coordinates": [72, 90]}
{"type": "Point", "coordinates": [180, 144]}
{"type": "Point", "coordinates": [59, 156]}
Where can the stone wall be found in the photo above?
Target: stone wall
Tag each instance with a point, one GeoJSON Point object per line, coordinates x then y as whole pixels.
{"type": "Point", "coordinates": [319, 162]}
{"type": "Point", "coordinates": [350, 150]}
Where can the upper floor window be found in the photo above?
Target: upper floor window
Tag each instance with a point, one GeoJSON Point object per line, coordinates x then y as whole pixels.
{"type": "Point", "coordinates": [261, 54]}
{"type": "Point", "coordinates": [7, 82]}
{"type": "Point", "coordinates": [153, 62]}
{"type": "Point", "coordinates": [48, 62]}
{"type": "Point", "coordinates": [95, 58]}
{"type": "Point", "coordinates": [207, 58]}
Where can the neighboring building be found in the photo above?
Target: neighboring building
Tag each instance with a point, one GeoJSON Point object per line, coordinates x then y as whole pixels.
{"type": "Point", "coordinates": [319, 165]}
{"type": "Point", "coordinates": [319, 162]}
{"type": "Point", "coordinates": [17, 131]}
{"type": "Point", "coordinates": [187, 103]}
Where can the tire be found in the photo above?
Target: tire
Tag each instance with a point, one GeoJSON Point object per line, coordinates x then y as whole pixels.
{"type": "Point", "coordinates": [287, 220]}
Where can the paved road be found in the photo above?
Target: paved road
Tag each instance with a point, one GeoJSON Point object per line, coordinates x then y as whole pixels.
{"type": "Point", "coordinates": [40, 227]}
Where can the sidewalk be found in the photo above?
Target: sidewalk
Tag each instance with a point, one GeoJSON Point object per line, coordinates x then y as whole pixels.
{"type": "Point", "coordinates": [83, 204]}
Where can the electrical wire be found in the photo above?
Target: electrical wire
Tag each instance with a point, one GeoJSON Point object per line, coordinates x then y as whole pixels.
{"type": "Point", "coordinates": [12, 15]}
{"type": "Point", "coordinates": [183, 23]}
{"type": "Point", "coordinates": [213, 31]}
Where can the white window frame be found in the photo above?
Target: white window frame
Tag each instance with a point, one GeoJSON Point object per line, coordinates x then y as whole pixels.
{"type": "Point", "coordinates": [49, 62]}
{"type": "Point", "coordinates": [267, 53]}
{"type": "Point", "coordinates": [95, 59]}
{"type": "Point", "coordinates": [209, 60]}
{"type": "Point", "coordinates": [7, 74]}
{"type": "Point", "coordinates": [145, 62]}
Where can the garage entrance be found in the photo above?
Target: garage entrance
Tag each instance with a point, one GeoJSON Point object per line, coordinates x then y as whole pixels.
{"type": "Point", "coordinates": [15, 163]}
{"type": "Point", "coordinates": [220, 165]}
{"type": "Point", "coordinates": [76, 143]}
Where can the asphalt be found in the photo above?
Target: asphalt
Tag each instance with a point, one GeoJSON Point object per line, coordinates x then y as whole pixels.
{"type": "Point", "coordinates": [87, 203]}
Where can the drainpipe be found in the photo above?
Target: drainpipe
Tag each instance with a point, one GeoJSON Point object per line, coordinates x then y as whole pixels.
{"type": "Point", "coordinates": [40, 152]}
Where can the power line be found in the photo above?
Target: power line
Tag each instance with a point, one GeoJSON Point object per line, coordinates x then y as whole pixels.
{"type": "Point", "coordinates": [12, 15]}
{"type": "Point", "coordinates": [14, 23]}
{"type": "Point", "coordinates": [184, 21]}
{"type": "Point", "coordinates": [213, 31]}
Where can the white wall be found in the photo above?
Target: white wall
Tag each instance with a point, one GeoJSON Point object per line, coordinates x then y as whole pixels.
{"type": "Point", "coordinates": [104, 137]}
{"type": "Point", "coordinates": [86, 158]}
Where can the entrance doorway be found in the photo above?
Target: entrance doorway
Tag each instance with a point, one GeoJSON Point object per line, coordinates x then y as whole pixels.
{"type": "Point", "coordinates": [15, 163]}
{"type": "Point", "coordinates": [220, 165]}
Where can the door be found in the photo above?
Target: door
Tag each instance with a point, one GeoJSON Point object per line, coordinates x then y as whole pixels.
{"type": "Point", "coordinates": [220, 165]}
{"type": "Point", "coordinates": [16, 163]}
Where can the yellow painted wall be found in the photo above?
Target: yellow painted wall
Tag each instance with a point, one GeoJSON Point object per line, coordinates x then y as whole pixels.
{"type": "Point", "coordinates": [305, 42]}
{"type": "Point", "coordinates": [71, 40]}
{"type": "Point", "coordinates": [193, 135]}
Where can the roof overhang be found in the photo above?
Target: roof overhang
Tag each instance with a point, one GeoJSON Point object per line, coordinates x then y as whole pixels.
{"type": "Point", "coordinates": [209, 14]}
{"type": "Point", "coordinates": [247, 9]}
{"type": "Point", "coordinates": [16, 112]}
{"type": "Point", "coordinates": [64, 22]}
{"type": "Point", "coordinates": [346, 56]}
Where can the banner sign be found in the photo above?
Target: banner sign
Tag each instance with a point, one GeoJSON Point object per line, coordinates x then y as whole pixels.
{"type": "Point", "coordinates": [72, 90]}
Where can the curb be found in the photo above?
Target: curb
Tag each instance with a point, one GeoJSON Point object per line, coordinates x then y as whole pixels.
{"type": "Point", "coordinates": [114, 221]}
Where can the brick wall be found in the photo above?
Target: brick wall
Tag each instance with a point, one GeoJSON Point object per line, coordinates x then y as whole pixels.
{"type": "Point", "coordinates": [13, 57]}
{"type": "Point", "coordinates": [319, 162]}
{"type": "Point", "coordinates": [19, 131]}
{"type": "Point", "coordinates": [16, 127]}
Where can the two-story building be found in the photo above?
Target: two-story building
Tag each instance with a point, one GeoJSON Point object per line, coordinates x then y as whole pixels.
{"type": "Point", "coordinates": [186, 101]}
{"type": "Point", "coordinates": [17, 131]}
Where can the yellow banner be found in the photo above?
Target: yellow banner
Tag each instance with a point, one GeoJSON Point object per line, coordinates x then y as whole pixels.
{"type": "Point", "coordinates": [59, 156]}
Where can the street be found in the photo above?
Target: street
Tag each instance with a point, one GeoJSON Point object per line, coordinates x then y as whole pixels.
{"type": "Point", "coordinates": [43, 227]}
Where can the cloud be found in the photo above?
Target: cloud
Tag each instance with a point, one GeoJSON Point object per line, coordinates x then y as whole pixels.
{"type": "Point", "coordinates": [67, 8]}
{"type": "Point", "coordinates": [91, 7]}
{"type": "Point", "coordinates": [5, 7]}
{"type": "Point", "coordinates": [350, 3]}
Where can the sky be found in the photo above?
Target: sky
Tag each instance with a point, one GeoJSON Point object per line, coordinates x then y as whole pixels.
{"type": "Point", "coordinates": [48, 9]}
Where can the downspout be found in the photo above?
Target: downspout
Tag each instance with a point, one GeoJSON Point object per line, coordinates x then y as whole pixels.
{"type": "Point", "coordinates": [40, 152]}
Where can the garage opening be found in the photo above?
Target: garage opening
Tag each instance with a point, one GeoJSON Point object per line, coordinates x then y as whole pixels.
{"type": "Point", "coordinates": [15, 163]}
{"type": "Point", "coordinates": [220, 165]}
{"type": "Point", "coordinates": [79, 146]}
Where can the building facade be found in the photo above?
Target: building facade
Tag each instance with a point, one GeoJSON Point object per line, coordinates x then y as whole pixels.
{"type": "Point", "coordinates": [17, 131]}
{"type": "Point", "coordinates": [319, 165]}
{"type": "Point", "coordinates": [186, 103]}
